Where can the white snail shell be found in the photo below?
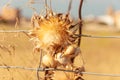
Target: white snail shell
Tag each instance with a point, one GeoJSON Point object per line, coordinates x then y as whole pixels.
{"type": "Point", "coordinates": [70, 50]}
{"type": "Point", "coordinates": [62, 60]}
{"type": "Point", "coordinates": [48, 61]}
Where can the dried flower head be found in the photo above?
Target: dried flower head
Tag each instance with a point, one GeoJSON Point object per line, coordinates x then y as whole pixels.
{"type": "Point", "coordinates": [52, 32]}
{"type": "Point", "coordinates": [54, 37]}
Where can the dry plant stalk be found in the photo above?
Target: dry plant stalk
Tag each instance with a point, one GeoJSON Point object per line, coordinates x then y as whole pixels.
{"type": "Point", "coordinates": [4, 48]}
{"type": "Point", "coordinates": [10, 49]}
{"type": "Point", "coordinates": [54, 37]}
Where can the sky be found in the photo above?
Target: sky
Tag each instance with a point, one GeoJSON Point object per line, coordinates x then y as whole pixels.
{"type": "Point", "coordinates": [90, 7]}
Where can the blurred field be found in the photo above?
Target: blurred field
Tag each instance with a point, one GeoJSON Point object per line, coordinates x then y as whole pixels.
{"type": "Point", "coordinates": [100, 55]}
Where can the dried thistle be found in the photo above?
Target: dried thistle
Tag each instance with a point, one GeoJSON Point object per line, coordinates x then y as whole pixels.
{"type": "Point", "coordinates": [52, 32]}
{"type": "Point", "coordinates": [54, 37]}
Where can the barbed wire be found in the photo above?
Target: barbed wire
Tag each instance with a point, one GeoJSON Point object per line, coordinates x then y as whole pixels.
{"type": "Point", "coordinates": [53, 69]}
{"type": "Point", "coordinates": [83, 35]}
{"type": "Point", "coordinates": [14, 31]}
{"type": "Point", "coordinates": [91, 36]}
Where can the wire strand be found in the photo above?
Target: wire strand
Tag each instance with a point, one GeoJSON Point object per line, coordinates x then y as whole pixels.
{"type": "Point", "coordinates": [53, 69]}
{"type": "Point", "coordinates": [92, 36]}
{"type": "Point", "coordinates": [14, 31]}
{"type": "Point", "coordinates": [77, 35]}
